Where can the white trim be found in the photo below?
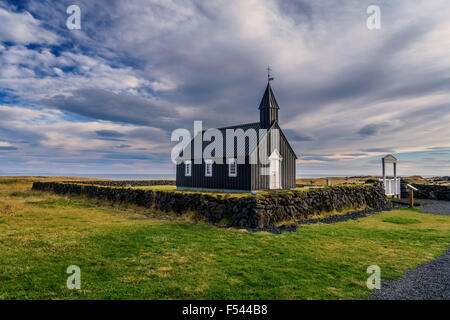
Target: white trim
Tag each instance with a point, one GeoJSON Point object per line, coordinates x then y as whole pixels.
{"type": "Point", "coordinates": [208, 164]}
{"type": "Point", "coordinates": [390, 159]}
{"type": "Point", "coordinates": [275, 170]}
{"type": "Point", "coordinates": [188, 168]}
{"type": "Point", "coordinates": [232, 162]}
{"type": "Point", "coordinates": [275, 155]}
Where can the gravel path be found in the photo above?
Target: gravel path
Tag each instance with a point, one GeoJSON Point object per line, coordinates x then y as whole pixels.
{"type": "Point", "coordinates": [436, 207]}
{"type": "Point", "coordinates": [429, 281]}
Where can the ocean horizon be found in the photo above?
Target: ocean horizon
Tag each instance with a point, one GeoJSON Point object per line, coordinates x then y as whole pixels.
{"type": "Point", "coordinates": [106, 176]}
{"type": "Point", "coordinates": [150, 176]}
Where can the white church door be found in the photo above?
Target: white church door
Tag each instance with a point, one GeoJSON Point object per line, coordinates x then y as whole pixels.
{"type": "Point", "coordinates": [275, 170]}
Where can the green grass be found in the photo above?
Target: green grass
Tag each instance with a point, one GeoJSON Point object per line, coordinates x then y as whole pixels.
{"type": "Point", "coordinates": [55, 203]}
{"type": "Point", "coordinates": [125, 255]}
{"type": "Point", "coordinates": [259, 193]}
{"type": "Point", "coordinates": [401, 220]}
{"type": "Point", "coordinates": [8, 181]}
{"type": "Point", "coordinates": [25, 194]}
{"type": "Point", "coordinates": [170, 188]}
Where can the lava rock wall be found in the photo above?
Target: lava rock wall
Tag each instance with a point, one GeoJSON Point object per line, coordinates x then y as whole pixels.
{"type": "Point", "coordinates": [428, 191]}
{"type": "Point", "coordinates": [130, 183]}
{"type": "Point", "coordinates": [256, 212]}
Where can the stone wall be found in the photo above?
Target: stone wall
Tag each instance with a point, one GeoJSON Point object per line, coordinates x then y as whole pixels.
{"type": "Point", "coordinates": [257, 212]}
{"type": "Point", "coordinates": [125, 183]}
{"type": "Point", "coordinates": [428, 191]}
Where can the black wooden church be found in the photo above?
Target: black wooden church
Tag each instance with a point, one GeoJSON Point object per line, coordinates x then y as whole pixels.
{"type": "Point", "coordinates": [276, 172]}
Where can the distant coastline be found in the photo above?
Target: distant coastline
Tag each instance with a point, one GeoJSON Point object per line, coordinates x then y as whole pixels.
{"type": "Point", "coordinates": [162, 176]}
{"type": "Point", "coordinates": [105, 176]}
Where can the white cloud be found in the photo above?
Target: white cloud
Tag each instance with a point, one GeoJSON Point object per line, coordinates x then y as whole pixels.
{"type": "Point", "coordinates": [37, 80]}
{"type": "Point", "coordinates": [333, 77]}
{"type": "Point", "coordinates": [23, 28]}
{"type": "Point", "coordinates": [71, 137]}
{"type": "Point", "coordinates": [5, 144]}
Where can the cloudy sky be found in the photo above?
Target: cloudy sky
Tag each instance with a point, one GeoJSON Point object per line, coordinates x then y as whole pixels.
{"type": "Point", "coordinates": [105, 98]}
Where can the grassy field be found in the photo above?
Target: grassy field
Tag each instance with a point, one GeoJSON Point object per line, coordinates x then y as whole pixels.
{"type": "Point", "coordinates": [170, 188]}
{"type": "Point", "coordinates": [362, 180]}
{"type": "Point", "coordinates": [332, 181]}
{"type": "Point", "coordinates": [125, 255]}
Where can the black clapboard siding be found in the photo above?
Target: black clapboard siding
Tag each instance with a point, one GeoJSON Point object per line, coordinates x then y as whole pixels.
{"type": "Point", "coordinates": [249, 176]}
{"type": "Point", "coordinates": [219, 180]}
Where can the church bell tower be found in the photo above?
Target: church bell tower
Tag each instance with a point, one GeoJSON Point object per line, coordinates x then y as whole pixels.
{"type": "Point", "coordinates": [268, 108]}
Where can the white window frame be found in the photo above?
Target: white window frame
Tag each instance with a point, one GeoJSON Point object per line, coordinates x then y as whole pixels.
{"type": "Point", "coordinates": [207, 164]}
{"type": "Point", "coordinates": [188, 164]}
{"type": "Point", "coordinates": [232, 162]}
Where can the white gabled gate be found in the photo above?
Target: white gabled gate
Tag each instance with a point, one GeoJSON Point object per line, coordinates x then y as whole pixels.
{"type": "Point", "coordinates": [391, 186]}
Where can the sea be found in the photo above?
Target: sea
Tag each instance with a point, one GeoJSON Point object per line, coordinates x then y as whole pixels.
{"type": "Point", "coordinates": [167, 176]}
{"type": "Point", "coordinates": [137, 176]}
{"type": "Point", "coordinates": [111, 176]}
{"type": "Point", "coordinates": [162, 176]}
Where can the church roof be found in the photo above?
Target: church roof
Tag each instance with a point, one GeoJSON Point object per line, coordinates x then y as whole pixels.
{"type": "Point", "coordinates": [249, 147]}
{"type": "Point", "coordinates": [268, 101]}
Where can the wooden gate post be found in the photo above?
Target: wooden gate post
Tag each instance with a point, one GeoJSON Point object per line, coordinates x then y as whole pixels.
{"type": "Point", "coordinates": [411, 194]}
{"type": "Point", "coordinates": [411, 198]}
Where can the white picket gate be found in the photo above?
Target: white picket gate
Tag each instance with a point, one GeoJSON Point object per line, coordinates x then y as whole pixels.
{"type": "Point", "coordinates": [392, 187]}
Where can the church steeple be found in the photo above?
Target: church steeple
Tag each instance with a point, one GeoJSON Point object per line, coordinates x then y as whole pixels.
{"type": "Point", "coordinates": [268, 108]}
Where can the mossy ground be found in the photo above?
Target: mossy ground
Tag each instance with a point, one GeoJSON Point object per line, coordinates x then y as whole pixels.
{"type": "Point", "coordinates": [125, 255]}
